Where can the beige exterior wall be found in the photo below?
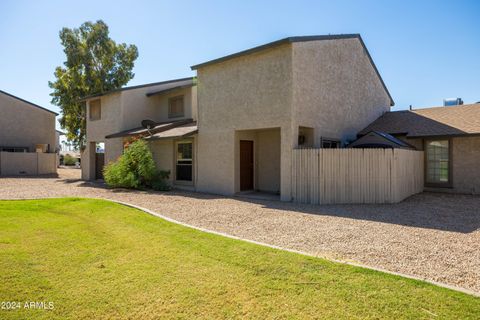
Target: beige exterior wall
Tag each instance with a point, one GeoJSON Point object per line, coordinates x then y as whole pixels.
{"type": "Point", "coordinates": [466, 165]}
{"type": "Point", "coordinates": [30, 163]}
{"type": "Point", "coordinates": [125, 110]}
{"type": "Point", "coordinates": [268, 160]}
{"type": "Point", "coordinates": [246, 93]}
{"type": "Point", "coordinates": [137, 106]}
{"type": "Point", "coordinates": [24, 125]}
{"type": "Point", "coordinates": [329, 86]}
{"type": "Point", "coordinates": [164, 156]}
{"type": "Point", "coordinates": [336, 90]}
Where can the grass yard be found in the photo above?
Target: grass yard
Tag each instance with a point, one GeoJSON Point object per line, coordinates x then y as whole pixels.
{"type": "Point", "coordinates": [97, 259]}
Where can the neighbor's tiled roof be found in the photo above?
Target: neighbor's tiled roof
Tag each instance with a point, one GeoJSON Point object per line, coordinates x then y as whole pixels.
{"type": "Point", "coordinates": [439, 121]}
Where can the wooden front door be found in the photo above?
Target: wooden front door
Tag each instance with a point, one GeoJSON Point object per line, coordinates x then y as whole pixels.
{"type": "Point", "coordinates": [99, 162]}
{"type": "Point", "coordinates": [246, 165]}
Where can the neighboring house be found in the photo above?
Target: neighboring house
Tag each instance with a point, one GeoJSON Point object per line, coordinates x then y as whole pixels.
{"type": "Point", "coordinates": [115, 117]}
{"type": "Point", "coordinates": [25, 128]}
{"type": "Point", "coordinates": [450, 137]}
{"type": "Point", "coordinates": [254, 107]}
{"type": "Point", "coordinates": [380, 140]}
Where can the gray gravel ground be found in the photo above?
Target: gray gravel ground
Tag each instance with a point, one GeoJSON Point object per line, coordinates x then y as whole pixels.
{"type": "Point", "coordinates": [432, 236]}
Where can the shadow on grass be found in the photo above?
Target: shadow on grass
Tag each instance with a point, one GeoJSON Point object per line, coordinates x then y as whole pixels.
{"type": "Point", "coordinates": [440, 211]}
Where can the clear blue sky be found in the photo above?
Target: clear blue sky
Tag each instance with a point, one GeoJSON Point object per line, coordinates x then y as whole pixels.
{"type": "Point", "coordinates": [424, 50]}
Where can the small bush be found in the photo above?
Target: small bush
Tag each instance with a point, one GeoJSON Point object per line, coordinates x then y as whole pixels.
{"type": "Point", "coordinates": [160, 182]}
{"type": "Point", "coordinates": [134, 169]}
{"type": "Point", "coordinates": [68, 160]}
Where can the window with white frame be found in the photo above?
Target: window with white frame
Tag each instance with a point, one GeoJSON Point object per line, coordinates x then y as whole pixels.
{"type": "Point", "coordinates": [438, 162]}
{"type": "Point", "coordinates": [184, 161]}
{"type": "Point", "coordinates": [95, 110]}
{"type": "Point", "coordinates": [175, 107]}
{"type": "Point", "coordinates": [330, 143]}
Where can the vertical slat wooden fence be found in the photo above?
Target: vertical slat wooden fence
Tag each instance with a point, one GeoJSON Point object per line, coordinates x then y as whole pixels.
{"type": "Point", "coordinates": [335, 176]}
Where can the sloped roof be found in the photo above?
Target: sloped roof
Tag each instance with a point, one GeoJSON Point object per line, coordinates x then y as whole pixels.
{"type": "Point", "coordinates": [299, 39]}
{"type": "Point", "coordinates": [164, 86]}
{"type": "Point", "coordinates": [439, 121]}
{"type": "Point", "coordinates": [377, 139]}
{"type": "Point", "coordinates": [159, 127]}
{"type": "Point", "coordinates": [28, 102]}
{"type": "Point", "coordinates": [181, 85]}
{"type": "Point", "coordinates": [184, 130]}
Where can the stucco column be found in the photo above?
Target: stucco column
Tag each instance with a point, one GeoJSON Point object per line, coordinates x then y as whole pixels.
{"type": "Point", "coordinates": [287, 143]}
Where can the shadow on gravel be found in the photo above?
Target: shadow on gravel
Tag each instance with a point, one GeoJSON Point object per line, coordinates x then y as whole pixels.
{"type": "Point", "coordinates": [440, 211]}
{"type": "Point", "coordinates": [447, 212]}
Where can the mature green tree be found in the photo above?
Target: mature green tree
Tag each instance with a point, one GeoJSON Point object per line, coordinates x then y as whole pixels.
{"type": "Point", "coordinates": [95, 64]}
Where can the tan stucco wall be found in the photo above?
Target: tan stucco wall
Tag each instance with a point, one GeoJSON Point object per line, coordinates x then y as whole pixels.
{"type": "Point", "coordinates": [335, 88]}
{"type": "Point", "coordinates": [249, 92]}
{"type": "Point", "coordinates": [137, 106]}
{"type": "Point", "coordinates": [268, 160]}
{"type": "Point", "coordinates": [23, 125]}
{"type": "Point", "coordinates": [466, 165]}
{"type": "Point", "coordinates": [163, 155]}
{"type": "Point", "coordinates": [125, 110]}
{"type": "Point", "coordinates": [31, 163]}
{"type": "Point", "coordinates": [329, 86]}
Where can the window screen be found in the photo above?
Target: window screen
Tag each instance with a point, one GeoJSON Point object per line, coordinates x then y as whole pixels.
{"type": "Point", "coordinates": [184, 165]}
{"type": "Point", "coordinates": [438, 161]}
{"type": "Point", "coordinates": [330, 144]}
{"type": "Point", "coordinates": [95, 110]}
{"type": "Point", "coordinates": [175, 107]}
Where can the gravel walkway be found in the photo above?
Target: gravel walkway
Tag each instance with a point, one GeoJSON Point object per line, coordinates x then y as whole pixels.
{"type": "Point", "coordinates": [432, 236]}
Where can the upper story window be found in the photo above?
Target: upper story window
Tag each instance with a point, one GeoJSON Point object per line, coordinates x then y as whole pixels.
{"type": "Point", "coordinates": [175, 107]}
{"type": "Point", "coordinates": [438, 164]}
{"type": "Point", "coordinates": [95, 110]}
{"type": "Point", "coordinates": [330, 143]}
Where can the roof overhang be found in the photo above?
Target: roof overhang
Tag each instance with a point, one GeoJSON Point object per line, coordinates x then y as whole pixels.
{"type": "Point", "coordinates": [183, 131]}
{"type": "Point", "coordinates": [98, 95]}
{"type": "Point", "coordinates": [141, 131]}
{"type": "Point", "coordinates": [169, 90]}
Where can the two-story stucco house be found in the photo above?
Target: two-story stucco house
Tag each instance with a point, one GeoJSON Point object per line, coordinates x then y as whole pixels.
{"type": "Point", "coordinates": [114, 117]}
{"type": "Point", "coordinates": [254, 107]}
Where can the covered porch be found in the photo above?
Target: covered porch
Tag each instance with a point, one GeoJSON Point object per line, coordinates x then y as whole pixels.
{"type": "Point", "coordinates": [257, 162]}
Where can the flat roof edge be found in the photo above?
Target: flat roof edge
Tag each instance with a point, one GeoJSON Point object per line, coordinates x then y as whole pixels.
{"type": "Point", "coordinates": [275, 44]}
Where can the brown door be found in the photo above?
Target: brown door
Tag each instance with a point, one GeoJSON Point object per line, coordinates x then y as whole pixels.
{"type": "Point", "coordinates": [246, 165]}
{"type": "Point", "coordinates": [99, 162]}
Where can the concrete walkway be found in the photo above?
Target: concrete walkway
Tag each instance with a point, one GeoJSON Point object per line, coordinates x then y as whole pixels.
{"type": "Point", "coordinates": [431, 236]}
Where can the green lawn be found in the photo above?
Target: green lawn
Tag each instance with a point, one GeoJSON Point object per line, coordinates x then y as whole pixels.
{"type": "Point", "coordinates": [97, 259]}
